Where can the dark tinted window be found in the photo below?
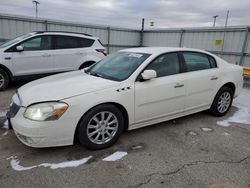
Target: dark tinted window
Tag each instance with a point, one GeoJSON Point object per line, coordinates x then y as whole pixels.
{"type": "Point", "coordinates": [196, 61]}
{"type": "Point", "coordinates": [166, 65]}
{"type": "Point", "coordinates": [212, 62]}
{"type": "Point", "coordinates": [63, 42]}
{"type": "Point", "coordinates": [36, 43]}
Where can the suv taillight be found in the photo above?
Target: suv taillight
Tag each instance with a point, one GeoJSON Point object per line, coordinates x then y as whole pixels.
{"type": "Point", "coordinates": [103, 51]}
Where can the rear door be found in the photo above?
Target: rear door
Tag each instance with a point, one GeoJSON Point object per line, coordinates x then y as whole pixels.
{"type": "Point", "coordinates": [69, 52]}
{"type": "Point", "coordinates": [163, 96]}
{"type": "Point", "coordinates": [201, 78]}
{"type": "Point", "coordinates": [35, 58]}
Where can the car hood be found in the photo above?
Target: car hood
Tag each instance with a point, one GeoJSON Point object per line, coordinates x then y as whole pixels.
{"type": "Point", "coordinates": [62, 86]}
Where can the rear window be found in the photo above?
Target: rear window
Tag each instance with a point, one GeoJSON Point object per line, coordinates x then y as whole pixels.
{"type": "Point", "coordinates": [196, 61]}
{"type": "Point", "coordinates": [65, 42]}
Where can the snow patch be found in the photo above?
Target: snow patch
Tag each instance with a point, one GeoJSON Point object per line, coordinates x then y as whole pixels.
{"type": "Point", "coordinates": [226, 134]}
{"type": "Point", "coordinates": [4, 134]}
{"type": "Point", "coordinates": [205, 129]}
{"type": "Point", "coordinates": [242, 115]}
{"type": "Point", "coordinates": [15, 164]}
{"type": "Point", "coordinates": [115, 156]}
{"type": "Point", "coordinates": [6, 125]}
{"type": "Point", "coordinates": [2, 114]}
{"type": "Point", "coordinates": [192, 133]}
{"type": "Point", "coordinates": [136, 147]}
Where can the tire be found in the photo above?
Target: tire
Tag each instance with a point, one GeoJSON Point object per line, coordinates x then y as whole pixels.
{"type": "Point", "coordinates": [4, 80]}
{"type": "Point", "coordinates": [222, 102]}
{"type": "Point", "coordinates": [94, 133]}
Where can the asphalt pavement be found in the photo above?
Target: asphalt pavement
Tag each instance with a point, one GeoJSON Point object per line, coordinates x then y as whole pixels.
{"type": "Point", "coordinates": [192, 151]}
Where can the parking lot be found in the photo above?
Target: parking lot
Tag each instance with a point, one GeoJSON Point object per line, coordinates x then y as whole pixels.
{"type": "Point", "coordinates": [195, 151]}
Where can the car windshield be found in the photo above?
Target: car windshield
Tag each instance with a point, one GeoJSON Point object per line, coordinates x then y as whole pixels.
{"type": "Point", "coordinates": [15, 40]}
{"type": "Point", "coordinates": [118, 66]}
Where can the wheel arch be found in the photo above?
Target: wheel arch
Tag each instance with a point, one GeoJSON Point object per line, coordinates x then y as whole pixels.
{"type": "Point", "coordinates": [7, 71]}
{"type": "Point", "coordinates": [86, 63]}
{"type": "Point", "coordinates": [230, 85]}
{"type": "Point", "coordinates": [119, 106]}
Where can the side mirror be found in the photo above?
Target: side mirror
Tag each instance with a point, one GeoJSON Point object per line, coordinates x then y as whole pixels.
{"type": "Point", "coordinates": [148, 74]}
{"type": "Point", "coordinates": [19, 48]}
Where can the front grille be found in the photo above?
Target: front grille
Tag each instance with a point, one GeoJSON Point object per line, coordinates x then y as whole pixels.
{"type": "Point", "coordinates": [14, 108]}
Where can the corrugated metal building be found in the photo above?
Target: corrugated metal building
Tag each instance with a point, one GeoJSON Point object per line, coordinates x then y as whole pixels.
{"type": "Point", "coordinates": [235, 48]}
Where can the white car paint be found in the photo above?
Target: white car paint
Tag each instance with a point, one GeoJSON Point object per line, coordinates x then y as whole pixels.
{"type": "Point", "coordinates": [146, 103]}
{"type": "Point", "coordinates": [34, 62]}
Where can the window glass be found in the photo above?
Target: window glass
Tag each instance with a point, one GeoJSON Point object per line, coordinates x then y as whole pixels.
{"type": "Point", "coordinates": [212, 62]}
{"type": "Point", "coordinates": [37, 43]}
{"type": "Point", "coordinates": [15, 40]}
{"type": "Point", "coordinates": [118, 66]}
{"type": "Point", "coordinates": [64, 42]}
{"type": "Point", "coordinates": [166, 65]}
{"type": "Point", "coordinates": [196, 61]}
{"type": "Point", "coordinates": [84, 42]}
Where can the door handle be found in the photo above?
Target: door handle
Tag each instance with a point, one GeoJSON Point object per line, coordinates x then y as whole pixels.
{"type": "Point", "coordinates": [7, 58]}
{"type": "Point", "coordinates": [178, 85]}
{"type": "Point", "coordinates": [214, 78]}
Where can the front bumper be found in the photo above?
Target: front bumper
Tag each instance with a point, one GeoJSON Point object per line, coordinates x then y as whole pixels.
{"type": "Point", "coordinates": [43, 133]}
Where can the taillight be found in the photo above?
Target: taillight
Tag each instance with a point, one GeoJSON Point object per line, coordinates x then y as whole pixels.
{"type": "Point", "coordinates": [103, 51]}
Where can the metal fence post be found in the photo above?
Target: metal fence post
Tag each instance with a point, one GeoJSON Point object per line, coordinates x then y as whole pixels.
{"type": "Point", "coordinates": [108, 44]}
{"type": "Point", "coordinates": [46, 25]}
{"type": "Point", "coordinates": [180, 42]}
{"type": "Point", "coordinates": [142, 31]}
{"type": "Point", "coordinates": [243, 51]}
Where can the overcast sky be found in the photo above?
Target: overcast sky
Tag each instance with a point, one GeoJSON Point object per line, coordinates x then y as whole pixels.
{"type": "Point", "coordinates": [128, 13]}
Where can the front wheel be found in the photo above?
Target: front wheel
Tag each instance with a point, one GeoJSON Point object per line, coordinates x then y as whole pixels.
{"type": "Point", "coordinates": [100, 127]}
{"type": "Point", "coordinates": [222, 102]}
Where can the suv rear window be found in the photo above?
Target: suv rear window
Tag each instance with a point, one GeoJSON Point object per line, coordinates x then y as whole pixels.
{"type": "Point", "coordinates": [64, 42]}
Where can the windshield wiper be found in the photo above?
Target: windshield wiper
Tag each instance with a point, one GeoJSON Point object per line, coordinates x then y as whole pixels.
{"type": "Point", "coordinates": [95, 74]}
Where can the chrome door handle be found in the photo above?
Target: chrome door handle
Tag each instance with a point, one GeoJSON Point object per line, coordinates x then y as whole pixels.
{"type": "Point", "coordinates": [178, 85]}
{"type": "Point", "coordinates": [214, 78]}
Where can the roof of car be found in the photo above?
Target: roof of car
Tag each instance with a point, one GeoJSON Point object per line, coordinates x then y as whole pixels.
{"type": "Point", "coordinates": [160, 50]}
{"type": "Point", "coordinates": [62, 32]}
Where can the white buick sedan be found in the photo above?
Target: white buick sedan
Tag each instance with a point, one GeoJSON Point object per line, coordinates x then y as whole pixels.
{"type": "Point", "coordinates": [129, 89]}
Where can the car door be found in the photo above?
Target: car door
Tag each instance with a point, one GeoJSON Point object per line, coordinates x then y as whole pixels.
{"type": "Point", "coordinates": [201, 79]}
{"type": "Point", "coordinates": [163, 96]}
{"type": "Point", "coordinates": [35, 57]}
{"type": "Point", "coordinates": [68, 53]}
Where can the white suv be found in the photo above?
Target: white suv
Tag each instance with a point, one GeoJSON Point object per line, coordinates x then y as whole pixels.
{"type": "Point", "coordinates": [41, 53]}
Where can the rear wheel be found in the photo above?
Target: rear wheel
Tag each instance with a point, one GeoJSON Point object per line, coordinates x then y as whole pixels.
{"type": "Point", "coordinates": [100, 127]}
{"type": "Point", "coordinates": [4, 80]}
{"type": "Point", "coordinates": [222, 102]}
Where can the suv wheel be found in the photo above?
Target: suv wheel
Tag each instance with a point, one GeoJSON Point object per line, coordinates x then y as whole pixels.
{"type": "Point", "coordinates": [100, 127]}
{"type": "Point", "coordinates": [4, 79]}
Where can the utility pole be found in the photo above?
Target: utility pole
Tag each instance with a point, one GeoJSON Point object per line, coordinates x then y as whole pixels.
{"type": "Point", "coordinates": [215, 19]}
{"type": "Point", "coordinates": [224, 34]}
{"type": "Point", "coordinates": [142, 30]}
{"type": "Point", "coordinates": [36, 3]}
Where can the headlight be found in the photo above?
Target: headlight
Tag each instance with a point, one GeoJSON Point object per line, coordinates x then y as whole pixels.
{"type": "Point", "coordinates": [46, 111]}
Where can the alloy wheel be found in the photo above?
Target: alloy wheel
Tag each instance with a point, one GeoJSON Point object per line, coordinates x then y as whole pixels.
{"type": "Point", "coordinates": [102, 127]}
{"type": "Point", "coordinates": [224, 102]}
